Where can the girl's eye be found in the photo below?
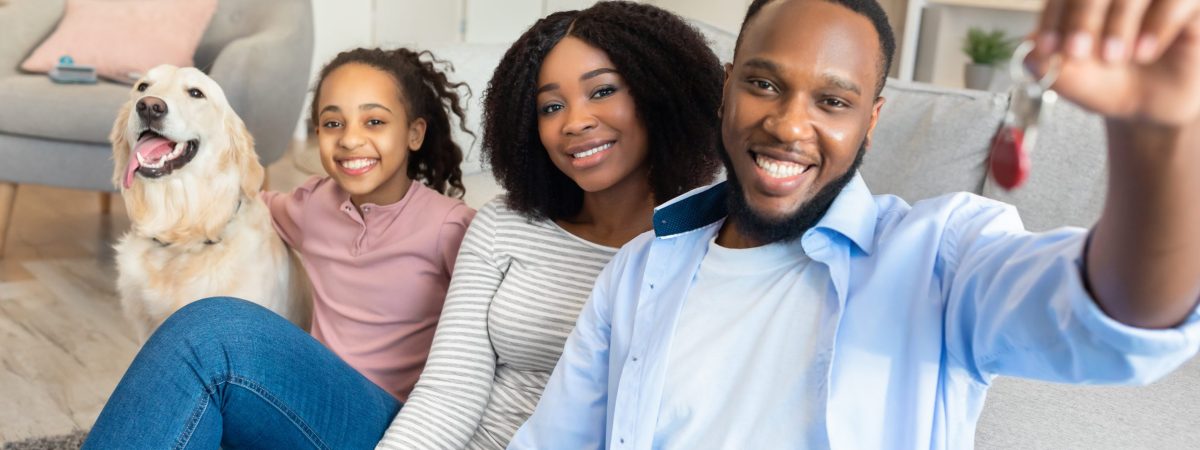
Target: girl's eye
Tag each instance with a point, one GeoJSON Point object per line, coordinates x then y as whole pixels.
{"type": "Point", "coordinates": [331, 124]}
{"type": "Point", "coordinates": [550, 109]}
{"type": "Point", "coordinates": [375, 122]}
{"type": "Point", "coordinates": [604, 92]}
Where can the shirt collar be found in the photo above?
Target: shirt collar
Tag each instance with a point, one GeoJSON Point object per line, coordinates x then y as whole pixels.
{"type": "Point", "coordinates": [853, 213]}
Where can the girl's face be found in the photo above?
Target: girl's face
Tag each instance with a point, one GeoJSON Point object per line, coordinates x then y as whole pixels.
{"type": "Point", "coordinates": [365, 135]}
{"type": "Point", "coordinates": [587, 120]}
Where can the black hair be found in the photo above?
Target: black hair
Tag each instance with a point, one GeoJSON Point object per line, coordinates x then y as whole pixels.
{"type": "Point", "coordinates": [869, 9]}
{"type": "Point", "coordinates": [674, 79]}
{"type": "Point", "coordinates": [427, 94]}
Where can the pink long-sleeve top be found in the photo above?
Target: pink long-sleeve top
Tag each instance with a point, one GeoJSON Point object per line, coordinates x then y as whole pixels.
{"type": "Point", "coordinates": [379, 278]}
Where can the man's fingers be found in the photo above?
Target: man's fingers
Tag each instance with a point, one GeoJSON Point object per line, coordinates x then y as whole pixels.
{"type": "Point", "coordinates": [1163, 22]}
{"type": "Point", "coordinates": [1121, 30]}
{"type": "Point", "coordinates": [1082, 23]}
{"type": "Point", "coordinates": [1048, 36]}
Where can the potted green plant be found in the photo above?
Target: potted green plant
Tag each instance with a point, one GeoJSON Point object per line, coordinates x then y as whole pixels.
{"type": "Point", "coordinates": [987, 50]}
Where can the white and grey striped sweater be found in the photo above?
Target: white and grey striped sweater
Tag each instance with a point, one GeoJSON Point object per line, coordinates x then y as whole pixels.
{"type": "Point", "coordinates": [517, 288]}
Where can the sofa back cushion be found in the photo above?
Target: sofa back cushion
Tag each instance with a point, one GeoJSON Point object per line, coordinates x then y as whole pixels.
{"type": "Point", "coordinates": [930, 140]}
{"type": "Point", "coordinates": [123, 39]}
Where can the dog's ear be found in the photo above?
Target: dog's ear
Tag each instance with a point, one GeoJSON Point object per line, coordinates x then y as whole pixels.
{"type": "Point", "coordinates": [241, 146]}
{"type": "Point", "coordinates": [120, 145]}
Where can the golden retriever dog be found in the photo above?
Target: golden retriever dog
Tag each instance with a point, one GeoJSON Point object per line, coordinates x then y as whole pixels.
{"type": "Point", "coordinates": [186, 168]}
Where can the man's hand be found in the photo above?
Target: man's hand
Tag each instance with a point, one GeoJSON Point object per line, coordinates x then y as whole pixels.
{"type": "Point", "coordinates": [1133, 61]}
{"type": "Point", "coordinates": [1137, 62]}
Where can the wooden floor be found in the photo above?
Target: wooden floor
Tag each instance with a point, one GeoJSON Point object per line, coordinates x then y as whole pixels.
{"type": "Point", "coordinates": [63, 341]}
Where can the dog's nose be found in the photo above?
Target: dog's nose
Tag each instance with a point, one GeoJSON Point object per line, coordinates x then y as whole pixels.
{"type": "Point", "coordinates": [151, 109]}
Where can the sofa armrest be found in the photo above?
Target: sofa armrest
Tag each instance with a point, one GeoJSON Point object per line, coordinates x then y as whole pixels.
{"type": "Point", "coordinates": [265, 77]}
{"type": "Point", "coordinates": [25, 23]}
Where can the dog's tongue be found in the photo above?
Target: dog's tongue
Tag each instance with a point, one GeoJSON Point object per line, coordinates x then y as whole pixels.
{"type": "Point", "coordinates": [151, 149]}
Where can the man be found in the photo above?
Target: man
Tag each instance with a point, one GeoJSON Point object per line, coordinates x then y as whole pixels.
{"type": "Point", "coordinates": [788, 308]}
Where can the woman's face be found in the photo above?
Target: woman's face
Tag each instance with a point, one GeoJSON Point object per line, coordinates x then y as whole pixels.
{"type": "Point", "coordinates": [587, 120]}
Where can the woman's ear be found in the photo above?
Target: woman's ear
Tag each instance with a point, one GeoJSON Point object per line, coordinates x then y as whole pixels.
{"type": "Point", "coordinates": [241, 147]}
{"type": "Point", "coordinates": [416, 134]}
{"type": "Point", "coordinates": [120, 145]}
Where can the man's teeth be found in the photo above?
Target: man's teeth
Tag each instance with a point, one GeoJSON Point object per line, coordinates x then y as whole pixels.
{"type": "Point", "coordinates": [587, 153]}
{"type": "Point", "coordinates": [777, 168]}
{"type": "Point", "coordinates": [355, 164]}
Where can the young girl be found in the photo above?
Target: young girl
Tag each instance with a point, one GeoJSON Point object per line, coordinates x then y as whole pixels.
{"type": "Point", "coordinates": [379, 242]}
{"type": "Point", "coordinates": [377, 238]}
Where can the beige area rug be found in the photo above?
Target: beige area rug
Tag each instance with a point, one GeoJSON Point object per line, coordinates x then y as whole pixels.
{"type": "Point", "coordinates": [67, 441]}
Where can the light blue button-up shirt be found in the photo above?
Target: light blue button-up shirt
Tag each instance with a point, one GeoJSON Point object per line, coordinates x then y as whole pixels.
{"type": "Point", "coordinates": [928, 303]}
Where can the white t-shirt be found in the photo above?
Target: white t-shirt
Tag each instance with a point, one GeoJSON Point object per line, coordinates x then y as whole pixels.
{"type": "Point", "coordinates": [740, 372]}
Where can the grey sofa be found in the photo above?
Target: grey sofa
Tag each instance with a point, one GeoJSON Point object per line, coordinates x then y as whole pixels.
{"type": "Point", "coordinates": [260, 52]}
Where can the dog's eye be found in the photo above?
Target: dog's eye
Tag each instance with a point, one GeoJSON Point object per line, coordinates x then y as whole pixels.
{"type": "Point", "coordinates": [141, 87]}
{"type": "Point", "coordinates": [195, 93]}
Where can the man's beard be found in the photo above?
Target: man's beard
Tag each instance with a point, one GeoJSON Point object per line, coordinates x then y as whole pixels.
{"type": "Point", "coordinates": [766, 230]}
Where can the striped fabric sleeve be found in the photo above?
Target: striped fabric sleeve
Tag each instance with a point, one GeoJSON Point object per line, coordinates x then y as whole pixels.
{"type": "Point", "coordinates": [448, 402]}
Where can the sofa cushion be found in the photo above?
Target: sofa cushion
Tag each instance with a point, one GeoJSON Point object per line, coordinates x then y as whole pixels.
{"type": "Point", "coordinates": [930, 140]}
{"type": "Point", "coordinates": [35, 106]}
{"type": "Point", "coordinates": [1066, 185]}
{"type": "Point", "coordinates": [122, 39]}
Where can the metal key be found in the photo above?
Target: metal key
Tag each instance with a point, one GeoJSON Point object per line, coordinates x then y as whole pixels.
{"type": "Point", "coordinates": [1031, 101]}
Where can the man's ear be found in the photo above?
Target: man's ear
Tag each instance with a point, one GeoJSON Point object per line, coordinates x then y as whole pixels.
{"type": "Point", "coordinates": [879, 101]}
{"type": "Point", "coordinates": [416, 134]}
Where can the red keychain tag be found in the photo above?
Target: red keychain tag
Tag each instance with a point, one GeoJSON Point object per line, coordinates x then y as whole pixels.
{"type": "Point", "coordinates": [1030, 101]}
{"type": "Point", "coordinates": [1009, 163]}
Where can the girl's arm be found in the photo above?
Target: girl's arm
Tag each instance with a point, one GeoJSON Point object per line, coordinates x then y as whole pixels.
{"type": "Point", "coordinates": [448, 402]}
{"type": "Point", "coordinates": [287, 210]}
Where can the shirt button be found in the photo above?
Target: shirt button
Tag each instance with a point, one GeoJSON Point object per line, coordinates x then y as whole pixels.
{"type": "Point", "coordinates": [634, 359]}
{"type": "Point", "coordinates": [651, 285]}
{"type": "Point", "coordinates": [622, 440]}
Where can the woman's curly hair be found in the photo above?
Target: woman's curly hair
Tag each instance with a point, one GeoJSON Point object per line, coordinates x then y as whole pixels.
{"type": "Point", "coordinates": [673, 76]}
{"type": "Point", "coordinates": [426, 93]}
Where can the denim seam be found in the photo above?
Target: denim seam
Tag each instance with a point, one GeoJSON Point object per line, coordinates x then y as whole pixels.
{"type": "Point", "coordinates": [263, 393]}
{"type": "Point", "coordinates": [186, 435]}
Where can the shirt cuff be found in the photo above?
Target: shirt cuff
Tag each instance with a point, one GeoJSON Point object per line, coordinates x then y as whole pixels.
{"type": "Point", "coordinates": [1126, 338]}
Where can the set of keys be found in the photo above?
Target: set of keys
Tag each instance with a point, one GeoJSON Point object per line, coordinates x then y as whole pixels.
{"type": "Point", "coordinates": [1031, 102]}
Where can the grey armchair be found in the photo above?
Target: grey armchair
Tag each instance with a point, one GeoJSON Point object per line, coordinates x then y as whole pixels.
{"type": "Point", "coordinates": [260, 52]}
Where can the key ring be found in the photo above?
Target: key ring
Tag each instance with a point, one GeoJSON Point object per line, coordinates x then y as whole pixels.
{"type": "Point", "coordinates": [1029, 101]}
{"type": "Point", "coordinates": [1018, 72]}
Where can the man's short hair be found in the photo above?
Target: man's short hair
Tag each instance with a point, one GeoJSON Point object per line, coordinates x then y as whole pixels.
{"type": "Point", "coordinates": [869, 9]}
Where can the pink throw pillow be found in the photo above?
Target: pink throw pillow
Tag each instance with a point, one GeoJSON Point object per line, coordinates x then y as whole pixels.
{"type": "Point", "coordinates": [123, 39]}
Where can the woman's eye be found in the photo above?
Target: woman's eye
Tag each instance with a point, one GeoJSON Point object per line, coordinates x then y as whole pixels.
{"type": "Point", "coordinates": [550, 109]}
{"type": "Point", "coordinates": [141, 87]}
{"type": "Point", "coordinates": [604, 92]}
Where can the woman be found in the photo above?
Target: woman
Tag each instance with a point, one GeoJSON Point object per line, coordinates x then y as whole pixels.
{"type": "Point", "coordinates": [592, 118]}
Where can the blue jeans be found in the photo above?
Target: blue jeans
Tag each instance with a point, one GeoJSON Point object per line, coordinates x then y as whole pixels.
{"type": "Point", "coordinates": [229, 373]}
